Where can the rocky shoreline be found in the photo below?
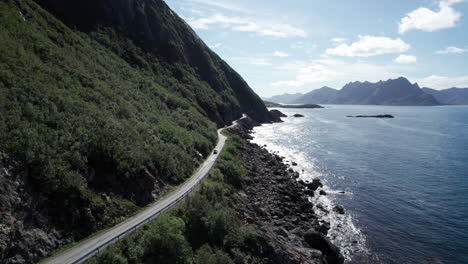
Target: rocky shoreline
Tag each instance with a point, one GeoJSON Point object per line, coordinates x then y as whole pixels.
{"type": "Point", "coordinates": [277, 203]}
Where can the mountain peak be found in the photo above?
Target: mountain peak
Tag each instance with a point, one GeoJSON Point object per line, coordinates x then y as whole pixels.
{"type": "Point", "coordinates": [401, 80]}
{"type": "Point", "coordinates": [397, 91]}
{"type": "Point", "coordinates": [326, 88]}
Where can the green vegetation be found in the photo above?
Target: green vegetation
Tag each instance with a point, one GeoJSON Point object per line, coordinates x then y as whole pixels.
{"type": "Point", "coordinates": [84, 121]}
{"type": "Point", "coordinates": [204, 229]}
{"type": "Point", "coordinates": [105, 116]}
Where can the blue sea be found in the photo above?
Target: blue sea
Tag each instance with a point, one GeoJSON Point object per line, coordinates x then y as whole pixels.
{"type": "Point", "coordinates": [405, 179]}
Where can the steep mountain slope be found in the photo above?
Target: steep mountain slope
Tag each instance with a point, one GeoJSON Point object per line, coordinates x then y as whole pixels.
{"type": "Point", "coordinates": [161, 38]}
{"type": "Point", "coordinates": [284, 98]}
{"type": "Point", "coordinates": [99, 114]}
{"type": "Point", "coordinates": [391, 92]}
{"type": "Point", "coordinates": [323, 95]}
{"type": "Point", "coordinates": [455, 96]}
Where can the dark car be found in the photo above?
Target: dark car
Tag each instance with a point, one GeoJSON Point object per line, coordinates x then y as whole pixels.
{"type": "Point", "coordinates": [215, 151]}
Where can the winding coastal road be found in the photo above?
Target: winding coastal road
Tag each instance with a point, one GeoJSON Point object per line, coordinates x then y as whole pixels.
{"type": "Point", "coordinates": [94, 244]}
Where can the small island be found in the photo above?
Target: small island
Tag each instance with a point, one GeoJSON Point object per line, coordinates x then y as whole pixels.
{"type": "Point", "coordinates": [271, 104]}
{"type": "Point", "coordinates": [372, 116]}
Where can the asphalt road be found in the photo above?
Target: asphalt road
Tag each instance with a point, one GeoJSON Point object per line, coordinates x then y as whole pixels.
{"type": "Point", "coordinates": [90, 246]}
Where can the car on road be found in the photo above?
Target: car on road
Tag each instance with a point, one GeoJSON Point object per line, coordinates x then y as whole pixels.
{"type": "Point", "coordinates": [215, 151]}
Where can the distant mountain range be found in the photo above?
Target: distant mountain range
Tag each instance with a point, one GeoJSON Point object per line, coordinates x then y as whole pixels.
{"type": "Point", "coordinates": [454, 96]}
{"type": "Point", "coordinates": [284, 98]}
{"type": "Point", "coordinates": [391, 92]}
{"type": "Point", "coordinates": [323, 95]}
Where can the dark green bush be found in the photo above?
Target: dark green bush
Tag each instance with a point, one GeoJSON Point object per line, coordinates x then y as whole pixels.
{"type": "Point", "coordinates": [165, 243]}
{"type": "Point", "coordinates": [208, 255]}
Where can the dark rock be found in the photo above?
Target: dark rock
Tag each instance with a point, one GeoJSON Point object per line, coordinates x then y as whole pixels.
{"type": "Point", "coordinates": [319, 241]}
{"type": "Point", "coordinates": [324, 228]}
{"type": "Point", "coordinates": [319, 206]}
{"type": "Point", "coordinates": [282, 232]}
{"type": "Point", "coordinates": [307, 207]}
{"type": "Point", "coordinates": [298, 115]}
{"type": "Point", "coordinates": [339, 209]}
{"type": "Point", "coordinates": [322, 192]}
{"type": "Point", "coordinates": [372, 116]}
{"type": "Point", "coordinates": [315, 184]}
{"type": "Point", "coordinates": [276, 105]}
{"type": "Point", "coordinates": [277, 114]}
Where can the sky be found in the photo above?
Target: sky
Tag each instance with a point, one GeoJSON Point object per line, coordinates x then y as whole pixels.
{"type": "Point", "coordinates": [295, 46]}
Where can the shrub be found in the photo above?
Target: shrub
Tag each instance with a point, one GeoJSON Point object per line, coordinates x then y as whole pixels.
{"type": "Point", "coordinates": [207, 255]}
{"type": "Point", "coordinates": [165, 242]}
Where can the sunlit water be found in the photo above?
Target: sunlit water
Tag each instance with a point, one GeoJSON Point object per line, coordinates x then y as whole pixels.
{"type": "Point", "coordinates": [405, 179]}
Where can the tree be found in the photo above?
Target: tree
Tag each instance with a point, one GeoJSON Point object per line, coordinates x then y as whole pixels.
{"type": "Point", "coordinates": [165, 243]}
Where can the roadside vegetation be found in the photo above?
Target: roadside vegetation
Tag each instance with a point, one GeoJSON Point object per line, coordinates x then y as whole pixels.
{"type": "Point", "coordinates": [91, 128]}
{"type": "Point", "coordinates": [101, 121]}
{"type": "Point", "coordinates": [204, 229]}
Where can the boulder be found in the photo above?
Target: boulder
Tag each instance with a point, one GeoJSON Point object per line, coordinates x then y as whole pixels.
{"type": "Point", "coordinates": [315, 184]}
{"type": "Point", "coordinates": [298, 115]}
{"type": "Point", "coordinates": [339, 209]}
{"type": "Point", "coordinates": [324, 228]}
{"type": "Point", "coordinates": [319, 241]}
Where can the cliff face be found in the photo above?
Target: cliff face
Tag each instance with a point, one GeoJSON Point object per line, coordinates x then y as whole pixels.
{"type": "Point", "coordinates": [160, 33]}
{"type": "Point", "coordinates": [103, 105]}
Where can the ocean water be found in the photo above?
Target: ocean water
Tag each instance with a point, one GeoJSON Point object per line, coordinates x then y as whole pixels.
{"type": "Point", "coordinates": [405, 179]}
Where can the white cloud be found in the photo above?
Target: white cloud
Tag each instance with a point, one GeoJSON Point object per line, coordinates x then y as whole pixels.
{"type": "Point", "coordinates": [216, 45]}
{"type": "Point", "coordinates": [305, 48]}
{"type": "Point", "coordinates": [261, 62]}
{"type": "Point", "coordinates": [331, 70]}
{"type": "Point", "coordinates": [452, 49]}
{"type": "Point", "coordinates": [443, 82]}
{"type": "Point", "coordinates": [406, 59]}
{"type": "Point", "coordinates": [253, 61]}
{"type": "Point", "coordinates": [369, 46]}
{"type": "Point", "coordinates": [221, 4]}
{"type": "Point", "coordinates": [428, 20]}
{"type": "Point", "coordinates": [280, 54]}
{"type": "Point", "coordinates": [245, 24]}
{"type": "Point", "coordinates": [338, 40]}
